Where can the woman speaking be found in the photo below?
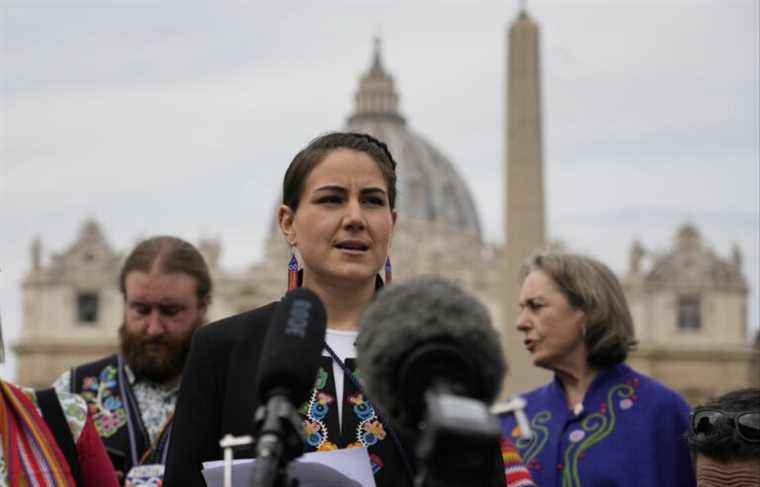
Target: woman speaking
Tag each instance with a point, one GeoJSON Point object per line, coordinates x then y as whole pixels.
{"type": "Point", "coordinates": [598, 422]}
{"type": "Point", "coordinates": [338, 215]}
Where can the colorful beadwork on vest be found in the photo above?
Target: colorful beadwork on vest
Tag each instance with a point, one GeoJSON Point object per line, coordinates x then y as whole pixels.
{"type": "Point", "coordinates": [104, 401]}
{"type": "Point", "coordinates": [369, 429]}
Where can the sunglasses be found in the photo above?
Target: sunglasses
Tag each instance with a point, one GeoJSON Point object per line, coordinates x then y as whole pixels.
{"type": "Point", "coordinates": [707, 422]}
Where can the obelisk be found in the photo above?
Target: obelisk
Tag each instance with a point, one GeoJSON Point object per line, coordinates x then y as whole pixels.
{"type": "Point", "coordinates": [525, 228]}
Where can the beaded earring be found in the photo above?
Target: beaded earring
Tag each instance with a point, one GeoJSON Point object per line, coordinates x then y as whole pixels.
{"type": "Point", "coordinates": [388, 271]}
{"type": "Point", "coordinates": [292, 270]}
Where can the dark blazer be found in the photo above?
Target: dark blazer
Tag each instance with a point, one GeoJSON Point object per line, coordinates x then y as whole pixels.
{"type": "Point", "coordinates": [217, 393]}
{"type": "Point", "coordinates": [217, 396]}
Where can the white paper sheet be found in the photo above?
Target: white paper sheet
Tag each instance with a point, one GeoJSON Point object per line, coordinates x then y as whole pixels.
{"type": "Point", "coordinates": [351, 462]}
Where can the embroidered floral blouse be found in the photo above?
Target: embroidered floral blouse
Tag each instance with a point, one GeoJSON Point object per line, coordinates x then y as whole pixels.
{"type": "Point", "coordinates": [630, 432]}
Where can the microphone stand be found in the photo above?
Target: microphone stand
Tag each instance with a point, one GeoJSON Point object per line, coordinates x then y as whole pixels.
{"type": "Point", "coordinates": [279, 433]}
{"type": "Point", "coordinates": [515, 405]}
{"type": "Point", "coordinates": [229, 443]}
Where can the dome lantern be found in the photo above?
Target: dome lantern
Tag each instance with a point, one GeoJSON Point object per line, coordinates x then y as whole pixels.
{"type": "Point", "coordinates": [377, 97]}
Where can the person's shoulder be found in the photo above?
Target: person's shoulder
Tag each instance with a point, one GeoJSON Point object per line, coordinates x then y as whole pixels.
{"type": "Point", "coordinates": [532, 403]}
{"type": "Point", "coordinates": [664, 409]}
{"type": "Point", "coordinates": [63, 382]}
{"type": "Point", "coordinates": [29, 392]}
{"type": "Point", "coordinates": [73, 406]}
{"type": "Point", "coordinates": [99, 363]}
{"type": "Point", "coordinates": [74, 410]}
{"type": "Point", "coordinates": [656, 391]}
{"type": "Point", "coordinates": [73, 376]}
{"type": "Point", "coordinates": [233, 328]}
{"type": "Point", "coordinates": [533, 400]}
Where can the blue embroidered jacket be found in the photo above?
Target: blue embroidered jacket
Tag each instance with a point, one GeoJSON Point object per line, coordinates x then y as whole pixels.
{"type": "Point", "coordinates": [630, 433]}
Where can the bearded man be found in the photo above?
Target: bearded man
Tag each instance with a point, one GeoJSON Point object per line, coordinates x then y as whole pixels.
{"type": "Point", "coordinates": [131, 395]}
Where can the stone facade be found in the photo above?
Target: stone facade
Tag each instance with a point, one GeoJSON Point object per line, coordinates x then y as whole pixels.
{"type": "Point", "coordinates": [60, 329]}
{"type": "Point", "coordinates": [689, 309]}
{"type": "Point", "coordinates": [701, 354]}
{"type": "Point", "coordinates": [71, 307]}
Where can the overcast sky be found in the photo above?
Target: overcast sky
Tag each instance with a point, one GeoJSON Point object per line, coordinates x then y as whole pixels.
{"type": "Point", "coordinates": [158, 117]}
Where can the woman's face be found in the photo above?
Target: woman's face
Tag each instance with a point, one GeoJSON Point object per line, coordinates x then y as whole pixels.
{"type": "Point", "coordinates": [553, 328]}
{"type": "Point", "coordinates": [344, 223]}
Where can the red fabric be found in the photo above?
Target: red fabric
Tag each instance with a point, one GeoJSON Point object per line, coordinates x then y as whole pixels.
{"type": "Point", "coordinates": [31, 453]}
{"type": "Point", "coordinates": [94, 463]}
{"type": "Point", "coordinates": [515, 472]}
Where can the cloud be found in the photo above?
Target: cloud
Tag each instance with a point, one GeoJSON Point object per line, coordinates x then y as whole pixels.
{"type": "Point", "coordinates": [161, 117]}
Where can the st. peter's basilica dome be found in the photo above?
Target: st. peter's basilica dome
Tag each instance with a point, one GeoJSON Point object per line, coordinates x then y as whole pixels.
{"type": "Point", "coordinates": [429, 188]}
{"type": "Point", "coordinates": [438, 230]}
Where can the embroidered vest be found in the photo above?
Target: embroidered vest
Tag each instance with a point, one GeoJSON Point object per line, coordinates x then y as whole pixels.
{"type": "Point", "coordinates": [361, 425]}
{"type": "Point", "coordinates": [99, 383]}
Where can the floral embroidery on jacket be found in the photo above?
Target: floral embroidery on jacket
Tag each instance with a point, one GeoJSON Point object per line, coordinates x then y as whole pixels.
{"type": "Point", "coordinates": [531, 447]}
{"type": "Point", "coordinates": [315, 410]}
{"type": "Point", "coordinates": [106, 406]}
{"type": "Point", "coordinates": [594, 428]}
{"type": "Point", "coordinates": [369, 429]}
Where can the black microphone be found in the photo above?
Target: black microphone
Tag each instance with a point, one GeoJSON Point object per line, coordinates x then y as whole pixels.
{"type": "Point", "coordinates": [287, 370]}
{"type": "Point", "coordinates": [431, 360]}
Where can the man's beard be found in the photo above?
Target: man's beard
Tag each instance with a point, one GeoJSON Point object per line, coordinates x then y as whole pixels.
{"type": "Point", "coordinates": [159, 359]}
